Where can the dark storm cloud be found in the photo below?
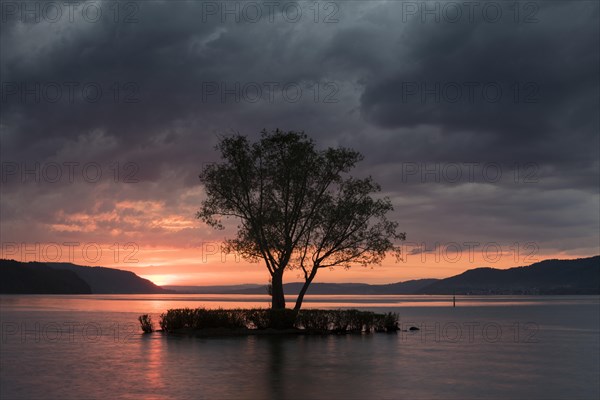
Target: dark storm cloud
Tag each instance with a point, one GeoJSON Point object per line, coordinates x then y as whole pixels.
{"type": "Point", "coordinates": [174, 71]}
{"type": "Point", "coordinates": [172, 65]}
{"type": "Point", "coordinates": [513, 91]}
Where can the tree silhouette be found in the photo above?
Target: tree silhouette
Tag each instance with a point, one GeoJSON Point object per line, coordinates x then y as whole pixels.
{"type": "Point", "coordinates": [350, 228]}
{"type": "Point", "coordinates": [296, 206]}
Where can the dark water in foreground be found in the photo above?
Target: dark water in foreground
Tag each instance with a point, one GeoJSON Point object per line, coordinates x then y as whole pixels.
{"type": "Point", "coordinates": [504, 347]}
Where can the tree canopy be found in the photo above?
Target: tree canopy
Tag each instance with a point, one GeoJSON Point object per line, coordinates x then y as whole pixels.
{"type": "Point", "coordinates": [297, 207]}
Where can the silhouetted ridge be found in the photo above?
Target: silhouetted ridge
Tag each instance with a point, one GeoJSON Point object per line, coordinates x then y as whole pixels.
{"type": "Point", "coordinates": [104, 280]}
{"type": "Point", "coordinates": [97, 280]}
{"type": "Point", "coordinates": [38, 278]}
{"type": "Point", "coordinates": [579, 276]}
{"type": "Point", "coordinates": [293, 288]}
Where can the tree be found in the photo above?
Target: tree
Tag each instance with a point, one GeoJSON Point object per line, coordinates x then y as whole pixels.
{"type": "Point", "coordinates": [350, 228]}
{"type": "Point", "coordinates": [296, 207]}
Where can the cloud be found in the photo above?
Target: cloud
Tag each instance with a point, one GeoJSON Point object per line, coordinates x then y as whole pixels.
{"type": "Point", "coordinates": [374, 77]}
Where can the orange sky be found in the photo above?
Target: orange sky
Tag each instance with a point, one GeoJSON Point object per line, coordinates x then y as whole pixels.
{"type": "Point", "coordinates": [163, 242]}
{"type": "Point", "coordinates": [205, 265]}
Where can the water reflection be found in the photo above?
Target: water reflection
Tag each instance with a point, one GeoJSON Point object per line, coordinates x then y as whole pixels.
{"type": "Point", "coordinates": [276, 367]}
{"type": "Point", "coordinates": [561, 363]}
{"type": "Point", "coordinates": [152, 349]}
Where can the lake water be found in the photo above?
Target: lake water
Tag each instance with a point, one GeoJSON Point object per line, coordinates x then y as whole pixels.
{"type": "Point", "coordinates": [495, 347]}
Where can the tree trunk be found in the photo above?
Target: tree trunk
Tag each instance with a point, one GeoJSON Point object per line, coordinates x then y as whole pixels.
{"type": "Point", "coordinates": [304, 289]}
{"type": "Point", "coordinates": [277, 295]}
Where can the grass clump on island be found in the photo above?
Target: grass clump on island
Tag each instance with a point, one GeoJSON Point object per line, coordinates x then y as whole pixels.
{"type": "Point", "coordinates": [260, 320]}
{"type": "Point", "coordinates": [146, 323]}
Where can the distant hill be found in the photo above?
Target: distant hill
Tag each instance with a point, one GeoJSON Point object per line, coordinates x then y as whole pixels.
{"type": "Point", "coordinates": [579, 276]}
{"type": "Point", "coordinates": [249, 288]}
{"type": "Point", "coordinates": [408, 287]}
{"type": "Point", "coordinates": [46, 278]}
{"type": "Point", "coordinates": [38, 278]}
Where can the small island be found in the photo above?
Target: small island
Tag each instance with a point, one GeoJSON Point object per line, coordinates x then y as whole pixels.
{"type": "Point", "coordinates": [298, 208]}
{"type": "Point", "coordinates": [203, 322]}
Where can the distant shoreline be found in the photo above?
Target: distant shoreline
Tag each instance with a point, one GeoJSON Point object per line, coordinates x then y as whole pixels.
{"type": "Point", "coordinates": [549, 277]}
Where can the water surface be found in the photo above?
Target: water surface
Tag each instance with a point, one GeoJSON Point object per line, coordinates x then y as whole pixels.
{"type": "Point", "coordinates": [498, 347]}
